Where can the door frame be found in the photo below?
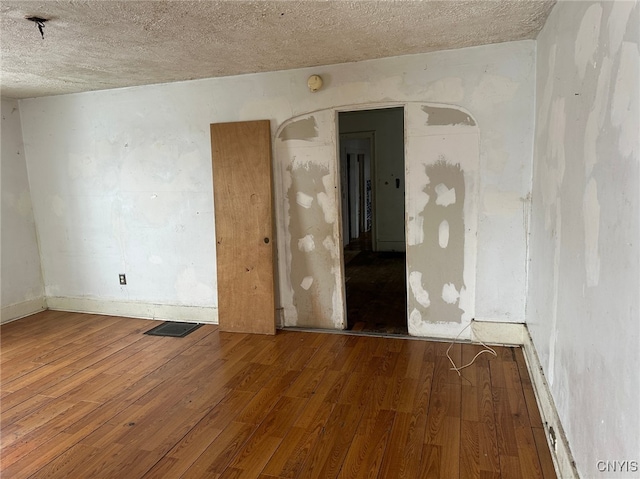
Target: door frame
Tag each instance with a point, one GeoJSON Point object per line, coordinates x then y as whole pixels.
{"type": "Point", "coordinates": [326, 152]}
{"type": "Point", "coordinates": [371, 136]}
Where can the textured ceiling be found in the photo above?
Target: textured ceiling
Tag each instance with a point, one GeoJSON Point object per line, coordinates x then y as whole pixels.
{"type": "Point", "coordinates": [95, 44]}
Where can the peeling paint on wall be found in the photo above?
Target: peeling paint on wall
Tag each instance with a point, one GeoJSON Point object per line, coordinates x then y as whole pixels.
{"type": "Point", "coordinates": [447, 116]}
{"type": "Point", "coordinates": [305, 129]}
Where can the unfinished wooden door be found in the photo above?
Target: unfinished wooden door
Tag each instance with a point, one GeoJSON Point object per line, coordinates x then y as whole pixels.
{"type": "Point", "coordinates": [241, 161]}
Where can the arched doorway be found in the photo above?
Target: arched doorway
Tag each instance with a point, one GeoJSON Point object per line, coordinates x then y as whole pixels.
{"type": "Point", "coordinates": [441, 170]}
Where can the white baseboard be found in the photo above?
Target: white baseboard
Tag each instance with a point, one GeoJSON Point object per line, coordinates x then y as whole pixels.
{"type": "Point", "coordinates": [562, 459]}
{"type": "Point", "coordinates": [20, 310]}
{"type": "Point", "coordinates": [131, 309]}
{"type": "Point", "coordinates": [498, 333]}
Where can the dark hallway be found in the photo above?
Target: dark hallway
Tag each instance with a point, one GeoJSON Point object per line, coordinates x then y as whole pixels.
{"type": "Point", "coordinates": [373, 228]}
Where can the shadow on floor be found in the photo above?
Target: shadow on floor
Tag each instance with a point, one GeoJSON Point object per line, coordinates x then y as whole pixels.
{"type": "Point", "coordinates": [376, 292]}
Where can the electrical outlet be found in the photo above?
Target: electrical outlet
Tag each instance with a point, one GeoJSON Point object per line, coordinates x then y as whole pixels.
{"type": "Point", "coordinates": [123, 278]}
{"type": "Point", "coordinates": [552, 440]}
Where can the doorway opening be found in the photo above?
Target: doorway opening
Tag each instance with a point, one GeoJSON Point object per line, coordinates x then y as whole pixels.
{"type": "Point", "coordinates": [373, 219]}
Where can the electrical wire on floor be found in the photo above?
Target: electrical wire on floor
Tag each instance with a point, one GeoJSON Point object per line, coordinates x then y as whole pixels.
{"type": "Point", "coordinates": [488, 349]}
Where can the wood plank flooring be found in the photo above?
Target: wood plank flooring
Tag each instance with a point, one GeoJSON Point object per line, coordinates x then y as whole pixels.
{"type": "Point", "coordinates": [91, 396]}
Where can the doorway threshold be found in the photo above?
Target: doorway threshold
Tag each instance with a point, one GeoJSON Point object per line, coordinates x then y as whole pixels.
{"type": "Point", "coordinates": [347, 332]}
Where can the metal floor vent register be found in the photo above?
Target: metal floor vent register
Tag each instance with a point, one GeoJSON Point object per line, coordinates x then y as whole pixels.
{"type": "Point", "coordinates": [174, 329]}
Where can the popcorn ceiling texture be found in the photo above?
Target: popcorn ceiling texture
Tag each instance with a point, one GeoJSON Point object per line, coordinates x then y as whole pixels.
{"type": "Point", "coordinates": [97, 45]}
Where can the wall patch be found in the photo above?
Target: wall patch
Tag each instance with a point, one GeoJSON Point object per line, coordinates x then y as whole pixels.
{"type": "Point", "coordinates": [447, 116]}
{"type": "Point", "coordinates": [305, 129]}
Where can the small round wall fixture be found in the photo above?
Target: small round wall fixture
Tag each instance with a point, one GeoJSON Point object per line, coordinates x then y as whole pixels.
{"type": "Point", "coordinates": [314, 83]}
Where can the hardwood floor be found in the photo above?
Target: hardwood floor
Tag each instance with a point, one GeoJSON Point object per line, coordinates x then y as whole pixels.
{"type": "Point", "coordinates": [87, 396]}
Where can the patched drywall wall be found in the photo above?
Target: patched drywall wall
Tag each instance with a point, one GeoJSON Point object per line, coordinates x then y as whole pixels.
{"type": "Point", "coordinates": [440, 269]}
{"type": "Point", "coordinates": [309, 222]}
{"type": "Point", "coordinates": [447, 116]}
{"type": "Point", "coordinates": [442, 247]}
{"type": "Point", "coordinates": [583, 303]}
{"type": "Point", "coordinates": [443, 151]}
{"type": "Point", "coordinates": [305, 129]}
{"type": "Point", "coordinates": [121, 179]}
{"type": "Point", "coordinates": [22, 286]}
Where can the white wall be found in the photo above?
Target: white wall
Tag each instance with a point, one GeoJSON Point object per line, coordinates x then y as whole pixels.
{"type": "Point", "coordinates": [584, 279]}
{"type": "Point", "coordinates": [121, 179]}
{"type": "Point", "coordinates": [22, 287]}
